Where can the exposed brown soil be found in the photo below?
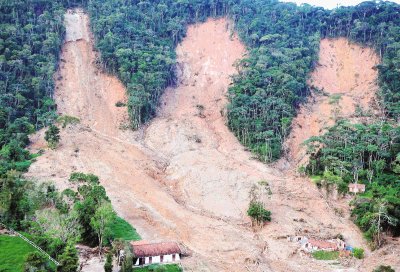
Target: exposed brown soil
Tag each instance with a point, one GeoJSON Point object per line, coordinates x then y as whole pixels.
{"type": "Point", "coordinates": [344, 70]}
{"type": "Point", "coordinates": [184, 177]}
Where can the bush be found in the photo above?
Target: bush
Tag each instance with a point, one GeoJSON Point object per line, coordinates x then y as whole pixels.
{"type": "Point", "coordinates": [384, 268]}
{"type": "Point", "coordinates": [65, 120]}
{"type": "Point", "coordinates": [258, 213]}
{"type": "Point", "coordinates": [358, 253]}
{"type": "Point", "coordinates": [108, 265]}
{"type": "Point", "coordinates": [120, 104]}
{"type": "Point", "coordinates": [69, 259]}
{"type": "Point", "coordinates": [35, 262]}
{"type": "Point", "coordinates": [52, 136]}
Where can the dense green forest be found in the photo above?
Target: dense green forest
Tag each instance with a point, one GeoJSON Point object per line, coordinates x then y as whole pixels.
{"type": "Point", "coordinates": [30, 41]}
{"type": "Point", "coordinates": [137, 41]}
{"type": "Point", "coordinates": [367, 153]}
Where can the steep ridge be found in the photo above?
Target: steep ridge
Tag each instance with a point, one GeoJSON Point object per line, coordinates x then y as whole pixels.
{"type": "Point", "coordinates": [184, 176]}
{"type": "Point", "coordinates": [345, 82]}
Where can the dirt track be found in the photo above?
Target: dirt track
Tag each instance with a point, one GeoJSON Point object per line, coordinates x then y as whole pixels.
{"type": "Point", "coordinates": [184, 177]}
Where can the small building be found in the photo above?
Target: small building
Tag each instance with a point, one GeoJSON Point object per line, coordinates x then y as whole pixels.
{"type": "Point", "coordinates": [313, 245]}
{"type": "Point", "coordinates": [356, 188]}
{"type": "Point", "coordinates": [146, 253]}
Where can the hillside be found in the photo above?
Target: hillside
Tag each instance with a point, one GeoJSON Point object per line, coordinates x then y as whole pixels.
{"type": "Point", "coordinates": [345, 82]}
{"type": "Point", "coordinates": [184, 176]}
{"type": "Point", "coordinates": [249, 132]}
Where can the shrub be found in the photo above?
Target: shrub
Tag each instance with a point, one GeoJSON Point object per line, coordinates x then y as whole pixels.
{"type": "Point", "coordinates": [35, 262]}
{"type": "Point", "coordinates": [358, 253]}
{"type": "Point", "coordinates": [384, 268]}
{"type": "Point", "coordinates": [52, 136]}
{"type": "Point", "coordinates": [108, 265]}
{"type": "Point", "coordinates": [69, 259]}
{"type": "Point", "coordinates": [65, 120]}
{"type": "Point", "coordinates": [258, 213]}
{"type": "Point", "coordinates": [120, 104]}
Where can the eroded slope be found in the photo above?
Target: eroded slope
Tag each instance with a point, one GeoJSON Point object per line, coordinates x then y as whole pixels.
{"type": "Point", "coordinates": [345, 80]}
{"type": "Point", "coordinates": [185, 176]}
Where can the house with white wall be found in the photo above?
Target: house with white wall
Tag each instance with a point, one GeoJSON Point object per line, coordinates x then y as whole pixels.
{"type": "Point", "coordinates": [146, 253]}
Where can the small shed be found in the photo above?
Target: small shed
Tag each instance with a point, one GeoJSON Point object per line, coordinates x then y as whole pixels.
{"type": "Point", "coordinates": [146, 253]}
{"type": "Point", "coordinates": [356, 188]}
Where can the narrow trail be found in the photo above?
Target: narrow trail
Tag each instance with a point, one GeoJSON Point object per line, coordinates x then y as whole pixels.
{"type": "Point", "coordinates": [184, 176]}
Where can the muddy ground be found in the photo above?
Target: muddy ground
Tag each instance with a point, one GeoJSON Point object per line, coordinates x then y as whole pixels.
{"type": "Point", "coordinates": [184, 176]}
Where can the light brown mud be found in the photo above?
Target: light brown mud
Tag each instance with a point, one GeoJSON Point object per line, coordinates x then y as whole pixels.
{"type": "Point", "coordinates": [184, 177]}
{"type": "Point", "coordinates": [345, 71]}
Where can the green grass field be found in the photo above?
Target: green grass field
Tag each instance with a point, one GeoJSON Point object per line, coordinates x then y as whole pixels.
{"type": "Point", "coordinates": [326, 255]}
{"type": "Point", "coordinates": [159, 268]}
{"type": "Point", "coordinates": [13, 251]}
{"type": "Point", "coordinates": [123, 230]}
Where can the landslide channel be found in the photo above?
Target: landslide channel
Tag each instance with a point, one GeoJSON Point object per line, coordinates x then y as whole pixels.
{"type": "Point", "coordinates": [183, 177]}
{"type": "Point", "coordinates": [344, 84]}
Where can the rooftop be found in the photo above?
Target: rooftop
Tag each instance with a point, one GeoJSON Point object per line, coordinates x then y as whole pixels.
{"type": "Point", "coordinates": [322, 244]}
{"type": "Point", "coordinates": [147, 249]}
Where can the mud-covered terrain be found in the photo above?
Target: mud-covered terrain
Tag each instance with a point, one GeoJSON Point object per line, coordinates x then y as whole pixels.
{"type": "Point", "coordinates": [344, 83]}
{"type": "Point", "coordinates": [184, 176]}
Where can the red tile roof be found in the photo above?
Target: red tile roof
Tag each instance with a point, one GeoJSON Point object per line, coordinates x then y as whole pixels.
{"type": "Point", "coordinates": [147, 249]}
{"type": "Point", "coordinates": [322, 244]}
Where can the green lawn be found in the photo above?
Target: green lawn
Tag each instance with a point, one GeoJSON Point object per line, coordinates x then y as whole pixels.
{"type": "Point", "coordinates": [123, 230]}
{"type": "Point", "coordinates": [326, 255]}
{"type": "Point", "coordinates": [13, 251]}
{"type": "Point", "coordinates": [159, 268]}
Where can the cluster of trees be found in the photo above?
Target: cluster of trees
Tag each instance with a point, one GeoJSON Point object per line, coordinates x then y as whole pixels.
{"type": "Point", "coordinates": [54, 220]}
{"type": "Point", "coordinates": [31, 34]}
{"type": "Point", "coordinates": [368, 154]}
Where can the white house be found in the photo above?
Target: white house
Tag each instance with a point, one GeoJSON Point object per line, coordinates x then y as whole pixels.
{"type": "Point", "coordinates": [146, 253]}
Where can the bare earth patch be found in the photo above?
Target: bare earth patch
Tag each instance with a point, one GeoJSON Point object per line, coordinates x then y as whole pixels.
{"type": "Point", "coordinates": [346, 80]}
{"type": "Point", "coordinates": [184, 177]}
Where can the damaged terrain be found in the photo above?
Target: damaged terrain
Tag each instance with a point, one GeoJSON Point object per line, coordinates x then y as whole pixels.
{"type": "Point", "coordinates": [184, 176]}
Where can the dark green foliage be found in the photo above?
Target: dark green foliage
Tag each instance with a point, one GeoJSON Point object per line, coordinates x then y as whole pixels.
{"type": "Point", "coordinates": [30, 38]}
{"type": "Point", "coordinates": [35, 262]}
{"type": "Point", "coordinates": [358, 253]}
{"type": "Point", "coordinates": [384, 268]}
{"type": "Point", "coordinates": [69, 259]}
{"type": "Point", "coordinates": [82, 177]}
{"type": "Point", "coordinates": [52, 136]}
{"type": "Point", "coordinates": [363, 153]}
{"type": "Point", "coordinates": [108, 265]}
{"type": "Point", "coordinates": [19, 198]}
{"type": "Point", "coordinates": [258, 213]}
{"type": "Point", "coordinates": [91, 196]}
